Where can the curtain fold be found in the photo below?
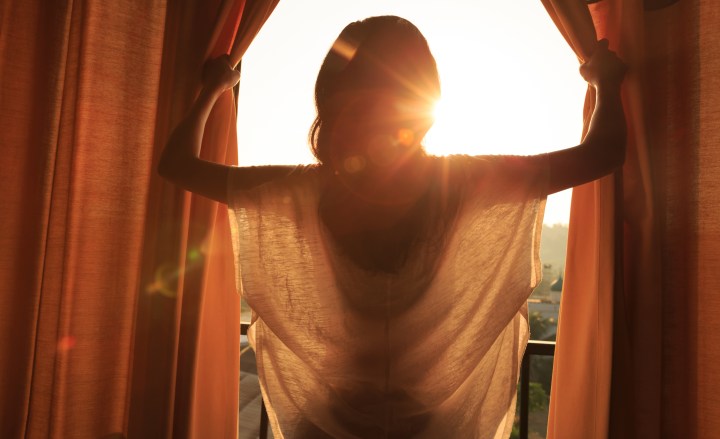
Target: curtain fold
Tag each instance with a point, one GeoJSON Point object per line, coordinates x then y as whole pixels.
{"type": "Point", "coordinates": [118, 311]}
{"type": "Point", "coordinates": [580, 392]}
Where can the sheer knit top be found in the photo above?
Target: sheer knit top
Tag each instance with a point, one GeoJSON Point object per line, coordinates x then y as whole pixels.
{"type": "Point", "coordinates": [429, 350]}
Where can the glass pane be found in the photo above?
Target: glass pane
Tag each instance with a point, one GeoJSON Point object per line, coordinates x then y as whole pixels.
{"type": "Point", "coordinates": [544, 303]}
{"type": "Point", "coordinates": [245, 312]}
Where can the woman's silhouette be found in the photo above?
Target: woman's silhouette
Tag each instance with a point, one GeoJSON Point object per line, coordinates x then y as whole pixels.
{"type": "Point", "coordinates": [390, 285]}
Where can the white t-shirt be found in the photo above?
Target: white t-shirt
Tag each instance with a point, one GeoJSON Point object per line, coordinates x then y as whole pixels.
{"type": "Point", "coordinates": [430, 351]}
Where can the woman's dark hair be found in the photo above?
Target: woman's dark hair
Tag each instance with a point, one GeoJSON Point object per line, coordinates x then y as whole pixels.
{"type": "Point", "coordinates": [377, 52]}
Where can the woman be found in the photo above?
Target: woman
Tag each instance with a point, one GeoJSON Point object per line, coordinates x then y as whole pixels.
{"type": "Point", "coordinates": [390, 286]}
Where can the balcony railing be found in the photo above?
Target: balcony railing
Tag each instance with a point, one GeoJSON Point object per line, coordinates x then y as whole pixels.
{"type": "Point", "coordinates": [534, 347]}
{"type": "Point", "coordinates": [264, 421]}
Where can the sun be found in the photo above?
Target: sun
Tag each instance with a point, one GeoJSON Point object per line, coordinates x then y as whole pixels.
{"type": "Point", "coordinates": [454, 130]}
{"type": "Point", "coordinates": [476, 119]}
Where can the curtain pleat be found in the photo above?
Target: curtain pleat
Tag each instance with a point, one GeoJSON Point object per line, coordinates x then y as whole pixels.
{"type": "Point", "coordinates": [118, 311]}
{"type": "Point", "coordinates": [636, 324]}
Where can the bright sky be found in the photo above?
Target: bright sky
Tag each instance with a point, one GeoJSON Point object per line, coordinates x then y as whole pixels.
{"type": "Point", "coordinates": [509, 81]}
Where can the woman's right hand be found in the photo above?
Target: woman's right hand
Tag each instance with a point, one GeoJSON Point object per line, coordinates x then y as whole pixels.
{"type": "Point", "coordinates": [219, 75]}
{"type": "Point", "coordinates": [604, 67]}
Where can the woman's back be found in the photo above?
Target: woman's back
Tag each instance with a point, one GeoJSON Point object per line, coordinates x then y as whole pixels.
{"type": "Point", "coordinates": [376, 227]}
{"type": "Point", "coordinates": [430, 346]}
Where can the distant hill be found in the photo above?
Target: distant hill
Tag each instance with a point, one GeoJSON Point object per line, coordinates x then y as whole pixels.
{"type": "Point", "coordinates": [553, 246]}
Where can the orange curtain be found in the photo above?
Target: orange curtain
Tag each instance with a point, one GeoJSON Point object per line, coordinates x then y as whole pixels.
{"type": "Point", "coordinates": [118, 313]}
{"type": "Point", "coordinates": [186, 364]}
{"type": "Point", "coordinates": [584, 343]}
{"type": "Point", "coordinates": [637, 331]}
{"type": "Point", "coordinates": [77, 118]}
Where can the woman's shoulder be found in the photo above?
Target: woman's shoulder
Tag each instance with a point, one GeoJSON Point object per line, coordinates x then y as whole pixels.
{"type": "Point", "coordinates": [269, 185]}
{"type": "Point", "coordinates": [455, 166]}
{"type": "Point", "coordinates": [496, 176]}
{"type": "Point", "coordinates": [250, 177]}
{"type": "Point", "coordinates": [497, 164]}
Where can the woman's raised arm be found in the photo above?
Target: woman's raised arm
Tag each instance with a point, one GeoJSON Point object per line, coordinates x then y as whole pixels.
{"type": "Point", "coordinates": [179, 162]}
{"type": "Point", "coordinates": [603, 148]}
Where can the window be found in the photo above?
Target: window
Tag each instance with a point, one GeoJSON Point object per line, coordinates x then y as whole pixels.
{"type": "Point", "coordinates": [510, 85]}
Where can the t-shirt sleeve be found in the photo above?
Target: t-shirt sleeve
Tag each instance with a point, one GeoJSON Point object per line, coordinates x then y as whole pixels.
{"type": "Point", "coordinates": [267, 213]}
{"type": "Point", "coordinates": [501, 216]}
{"type": "Point", "coordinates": [240, 197]}
{"type": "Point", "coordinates": [508, 178]}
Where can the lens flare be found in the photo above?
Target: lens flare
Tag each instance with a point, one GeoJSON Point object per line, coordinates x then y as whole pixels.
{"type": "Point", "coordinates": [66, 343]}
{"type": "Point", "coordinates": [405, 137]}
{"type": "Point", "coordinates": [162, 282]}
{"type": "Point", "coordinates": [345, 48]}
{"type": "Point", "coordinates": [354, 164]}
{"type": "Point", "coordinates": [383, 150]}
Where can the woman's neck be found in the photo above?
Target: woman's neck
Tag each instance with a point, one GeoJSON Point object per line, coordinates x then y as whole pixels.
{"type": "Point", "coordinates": [373, 202]}
{"type": "Point", "coordinates": [395, 185]}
